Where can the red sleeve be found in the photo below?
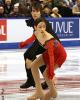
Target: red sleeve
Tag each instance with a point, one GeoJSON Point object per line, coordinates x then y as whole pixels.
{"type": "Point", "coordinates": [26, 42]}
{"type": "Point", "coordinates": [50, 61]}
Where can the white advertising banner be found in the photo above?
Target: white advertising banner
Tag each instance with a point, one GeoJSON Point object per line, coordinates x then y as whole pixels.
{"type": "Point", "coordinates": [15, 30]}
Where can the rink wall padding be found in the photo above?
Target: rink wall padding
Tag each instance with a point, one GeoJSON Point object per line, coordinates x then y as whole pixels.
{"type": "Point", "coordinates": [13, 31]}
{"type": "Point", "coordinates": [72, 43]}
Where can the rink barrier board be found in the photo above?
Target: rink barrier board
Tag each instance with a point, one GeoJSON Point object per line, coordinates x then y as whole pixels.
{"type": "Point", "coordinates": [16, 45]}
{"type": "Point", "coordinates": [12, 32]}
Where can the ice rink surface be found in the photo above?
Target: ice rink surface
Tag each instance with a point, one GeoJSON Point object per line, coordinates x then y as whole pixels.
{"type": "Point", "coordinates": [12, 75]}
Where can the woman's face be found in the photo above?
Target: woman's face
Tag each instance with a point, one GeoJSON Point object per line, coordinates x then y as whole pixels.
{"type": "Point", "coordinates": [41, 27]}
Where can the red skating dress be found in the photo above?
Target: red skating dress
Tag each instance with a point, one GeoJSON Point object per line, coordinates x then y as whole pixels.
{"type": "Point", "coordinates": [54, 54]}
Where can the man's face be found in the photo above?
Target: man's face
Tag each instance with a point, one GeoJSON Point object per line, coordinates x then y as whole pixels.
{"type": "Point", "coordinates": [35, 13]}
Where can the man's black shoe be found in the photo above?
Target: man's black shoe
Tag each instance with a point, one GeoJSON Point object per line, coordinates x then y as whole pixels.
{"type": "Point", "coordinates": [27, 84]}
{"type": "Point", "coordinates": [44, 85]}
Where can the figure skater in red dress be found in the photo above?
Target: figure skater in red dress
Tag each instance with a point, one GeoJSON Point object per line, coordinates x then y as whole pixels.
{"type": "Point", "coordinates": [53, 57]}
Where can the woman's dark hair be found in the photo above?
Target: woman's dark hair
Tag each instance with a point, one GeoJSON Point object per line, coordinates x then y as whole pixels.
{"type": "Point", "coordinates": [37, 21]}
{"type": "Point", "coordinates": [48, 27]}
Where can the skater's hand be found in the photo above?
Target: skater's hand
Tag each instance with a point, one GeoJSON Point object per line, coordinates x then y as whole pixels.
{"type": "Point", "coordinates": [21, 45]}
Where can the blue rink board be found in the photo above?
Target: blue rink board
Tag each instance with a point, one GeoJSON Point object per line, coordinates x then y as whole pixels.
{"type": "Point", "coordinates": [15, 45]}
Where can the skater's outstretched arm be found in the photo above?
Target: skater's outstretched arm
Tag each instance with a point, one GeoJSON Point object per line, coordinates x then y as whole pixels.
{"type": "Point", "coordinates": [27, 42]}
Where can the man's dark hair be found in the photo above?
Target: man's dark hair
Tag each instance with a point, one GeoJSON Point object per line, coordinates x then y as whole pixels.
{"type": "Point", "coordinates": [36, 6]}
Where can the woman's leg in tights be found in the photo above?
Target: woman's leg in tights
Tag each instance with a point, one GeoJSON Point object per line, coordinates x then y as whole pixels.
{"type": "Point", "coordinates": [39, 92]}
{"type": "Point", "coordinates": [51, 85]}
{"type": "Point", "coordinates": [35, 72]}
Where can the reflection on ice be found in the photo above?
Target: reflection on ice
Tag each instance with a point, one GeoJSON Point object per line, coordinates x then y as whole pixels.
{"type": "Point", "coordinates": [12, 64]}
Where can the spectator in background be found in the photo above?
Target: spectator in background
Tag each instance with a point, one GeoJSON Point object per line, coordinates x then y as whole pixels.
{"type": "Point", "coordinates": [68, 3]}
{"type": "Point", "coordinates": [2, 15]}
{"type": "Point", "coordinates": [38, 1]}
{"type": "Point", "coordinates": [8, 7]}
{"type": "Point", "coordinates": [15, 1]}
{"type": "Point", "coordinates": [55, 13]}
{"type": "Point", "coordinates": [50, 3]}
{"type": "Point", "coordinates": [76, 8]}
{"type": "Point", "coordinates": [15, 12]}
{"type": "Point", "coordinates": [25, 7]}
{"type": "Point", "coordinates": [64, 11]}
{"type": "Point", "coordinates": [47, 11]}
{"type": "Point", "coordinates": [42, 3]}
{"type": "Point", "coordinates": [1, 1]}
{"type": "Point", "coordinates": [57, 2]}
{"type": "Point", "coordinates": [73, 2]}
{"type": "Point", "coordinates": [12, 1]}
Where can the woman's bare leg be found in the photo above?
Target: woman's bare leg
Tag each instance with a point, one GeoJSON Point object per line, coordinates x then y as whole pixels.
{"type": "Point", "coordinates": [35, 72]}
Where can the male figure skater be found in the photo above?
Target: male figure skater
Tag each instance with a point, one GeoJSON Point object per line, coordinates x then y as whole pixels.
{"type": "Point", "coordinates": [36, 48]}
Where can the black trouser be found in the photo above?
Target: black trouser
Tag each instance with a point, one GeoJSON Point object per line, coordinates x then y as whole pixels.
{"type": "Point", "coordinates": [31, 53]}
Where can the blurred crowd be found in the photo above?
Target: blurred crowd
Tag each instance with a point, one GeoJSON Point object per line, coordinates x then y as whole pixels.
{"type": "Point", "coordinates": [50, 8]}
